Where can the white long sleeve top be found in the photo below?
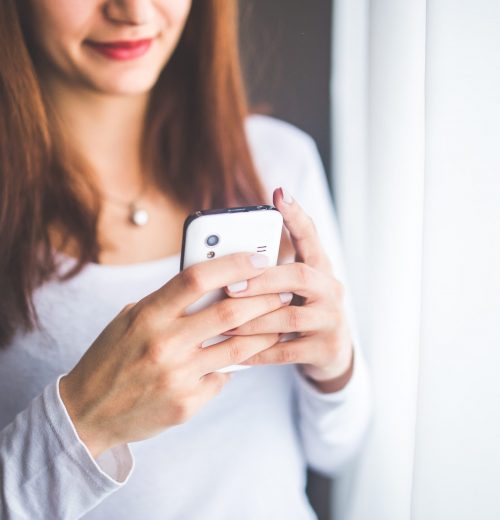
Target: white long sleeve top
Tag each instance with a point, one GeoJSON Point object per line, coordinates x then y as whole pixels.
{"type": "Point", "coordinates": [242, 456]}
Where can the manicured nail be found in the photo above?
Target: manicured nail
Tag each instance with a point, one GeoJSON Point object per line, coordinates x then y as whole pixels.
{"type": "Point", "coordinates": [259, 261]}
{"type": "Point", "coordinates": [286, 196]}
{"type": "Point", "coordinates": [286, 297]}
{"type": "Point", "coordinates": [238, 286]}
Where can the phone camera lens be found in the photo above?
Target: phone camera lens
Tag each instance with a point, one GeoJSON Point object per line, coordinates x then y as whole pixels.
{"type": "Point", "coordinates": [212, 240]}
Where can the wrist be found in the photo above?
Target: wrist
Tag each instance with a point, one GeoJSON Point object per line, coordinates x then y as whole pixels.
{"type": "Point", "coordinates": [324, 382]}
{"type": "Point", "coordinates": [86, 433]}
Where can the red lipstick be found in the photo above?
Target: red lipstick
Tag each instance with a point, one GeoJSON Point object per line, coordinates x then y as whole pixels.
{"type": "Point", "coordinates": [122, 50]}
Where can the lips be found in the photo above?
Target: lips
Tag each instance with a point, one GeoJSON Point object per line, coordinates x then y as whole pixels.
{"type": "Point", "coordinates": [121, 50]}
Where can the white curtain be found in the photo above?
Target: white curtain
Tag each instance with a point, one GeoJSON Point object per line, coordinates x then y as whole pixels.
{"type": "Point", "coordinates": [416, 162]}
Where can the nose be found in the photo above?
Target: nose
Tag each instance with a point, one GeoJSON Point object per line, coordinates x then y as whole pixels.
{"type": "Point", "coordinates": [132, 12]}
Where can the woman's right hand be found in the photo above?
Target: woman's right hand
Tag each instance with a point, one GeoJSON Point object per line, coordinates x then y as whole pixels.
{"type": "Point", "coordinates": [147, 371]}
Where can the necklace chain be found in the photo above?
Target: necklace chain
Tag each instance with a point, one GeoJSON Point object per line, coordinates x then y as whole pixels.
{"type": "Point", "coordinates": [136, 215]}
{"type": "Point", "coordinates": [116, 200]}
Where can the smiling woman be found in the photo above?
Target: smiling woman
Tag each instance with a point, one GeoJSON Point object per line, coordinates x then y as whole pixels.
{"type": "Point", "coordinates": [117, 119]}
{"type": "Point", "coordinates": [122, 52]}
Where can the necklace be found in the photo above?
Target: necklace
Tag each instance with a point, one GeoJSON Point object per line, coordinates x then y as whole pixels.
{"type": "Point", "coordinates": [137, 215]}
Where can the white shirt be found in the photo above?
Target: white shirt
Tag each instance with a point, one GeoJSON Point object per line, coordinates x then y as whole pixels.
{"type": "Point", "coordinates": [242, 456]}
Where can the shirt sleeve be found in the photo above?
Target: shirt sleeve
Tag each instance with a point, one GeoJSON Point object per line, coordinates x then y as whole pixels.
{"type": "Point", "coordinates": [332, 426]}
{"type": "Point", "coordinates": [45, 468]}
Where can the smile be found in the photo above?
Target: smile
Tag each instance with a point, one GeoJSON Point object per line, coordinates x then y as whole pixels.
{"type": "Point", "coordinates": [121, 50]}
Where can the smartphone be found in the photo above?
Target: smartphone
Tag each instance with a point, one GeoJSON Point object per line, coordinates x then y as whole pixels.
{"type": "Point", "coordinates": [209, 234]}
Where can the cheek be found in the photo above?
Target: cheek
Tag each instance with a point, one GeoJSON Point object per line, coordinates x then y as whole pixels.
{"type": "Point", "coordinates": [175, 12]}
{"type": "Point", "coordinates": [61, 20]}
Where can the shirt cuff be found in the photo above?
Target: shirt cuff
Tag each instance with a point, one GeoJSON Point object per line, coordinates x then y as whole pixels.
{"type": "Point", "coordinates": [110, 470]}
{"type": "Point", "coordinates": [307, 388]}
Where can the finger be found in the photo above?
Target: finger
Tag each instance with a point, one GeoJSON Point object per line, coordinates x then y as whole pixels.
{"type": "Point", "coordinates": [303, 232]}
{"type": "Point", "coordinates": [209, 386]}
{"type": "Point", "coordinates": [232, 351]}
{"type": "Point", "coordinates": [296, 277]}
{"type": "Point", "coordinates": [300, 350]}
{"type": "Point", "coordinates": [227, 314]}
{"type": "Point", "coordinates": [292, 318]}
{"type": "Point", "coordinates": [193, 282]}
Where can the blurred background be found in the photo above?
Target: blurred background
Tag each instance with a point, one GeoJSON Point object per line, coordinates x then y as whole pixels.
{"type": "Point", "coordinates": [286, 48]}
{"type": "Point", "coordinates": [403, 99]}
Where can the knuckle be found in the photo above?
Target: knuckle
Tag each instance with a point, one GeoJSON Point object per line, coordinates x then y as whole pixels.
{"type": "Point", "coordinates": [165, 382]}
{"type": "Point", "coordinates": [133, 314]}
{"type": "Point", "coordinates": [253, 326]}
{"type": "Point", "coordinates": [303, 273]}
{"type": "Point", "coordinates": [287, 355]}
{"type": "Point", "coordinates": [142, 316]}
{"type": "Point", "coordinates": [315, 258]}
{"type": "Point", "coordinates": [127, 308]}
{"type": "Point", "coordinates": [193, 280]}
{"type": "Point", "coordinates": [181, 410]}
{"type": "Point", "coordinates": [294, 318]}
{"type": "Point", "coordinates": [154, 351]}
{"type": "Point", "coordinates": [171, 380]}
{"type": "Point", "coordinates": [258, 358]}
{"type": "Point", "coordinates": [126, 315]}
{"type": "Point", "coordinates": [234, 352]}
{"type": "Point", "coordinates": [226, 312]}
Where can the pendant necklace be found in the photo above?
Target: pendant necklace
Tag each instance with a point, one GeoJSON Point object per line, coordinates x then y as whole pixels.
{"type": "Point", "coordinates": [137, 215]}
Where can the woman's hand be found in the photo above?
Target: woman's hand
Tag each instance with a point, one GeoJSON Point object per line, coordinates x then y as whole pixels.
{"type": "Point", "coordinates": [147, 370]}
{"type": "Point", "coordinates": [323, 346]}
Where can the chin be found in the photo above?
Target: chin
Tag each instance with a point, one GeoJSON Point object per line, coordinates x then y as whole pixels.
{"type": "Point", "coordinates": [125, 85]}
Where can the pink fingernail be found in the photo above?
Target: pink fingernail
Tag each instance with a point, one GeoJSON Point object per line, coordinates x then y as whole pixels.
{"type": "Point", "coordinates": [237, 286]}
{"type": "Point", "coordinates": [286, 297]}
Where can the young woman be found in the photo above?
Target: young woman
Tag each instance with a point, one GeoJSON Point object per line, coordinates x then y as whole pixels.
{"type": "Point", "coordinates": [117, 119]}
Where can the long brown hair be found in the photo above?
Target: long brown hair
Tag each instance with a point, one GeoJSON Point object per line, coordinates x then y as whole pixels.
{"type": "Point", "coordinates": [195, 144]}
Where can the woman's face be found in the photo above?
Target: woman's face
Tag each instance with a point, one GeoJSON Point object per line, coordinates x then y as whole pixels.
{"type": "Point", "coordinates": [108, 46]}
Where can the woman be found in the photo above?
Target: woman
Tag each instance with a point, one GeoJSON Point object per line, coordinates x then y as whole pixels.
{"type": "Point", "coordinates": [118, 118]}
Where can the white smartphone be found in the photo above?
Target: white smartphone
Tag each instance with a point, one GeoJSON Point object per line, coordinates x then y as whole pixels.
{"type": "Point", "coordinates": [209, 234]}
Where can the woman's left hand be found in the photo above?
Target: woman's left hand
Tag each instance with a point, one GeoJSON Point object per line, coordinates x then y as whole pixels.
{"type": "Point", "coordinates": [323, 345]}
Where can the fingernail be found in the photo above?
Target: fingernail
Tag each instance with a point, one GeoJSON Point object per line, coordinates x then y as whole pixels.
{"type": "Point", "coordinates": [238, 286]}
{"type": "Point", "coordinates": [259, 260]}
{"type": "Point", "coordinates": [286, 196]}
{"type": "Point", "coordinates": [286, 297]}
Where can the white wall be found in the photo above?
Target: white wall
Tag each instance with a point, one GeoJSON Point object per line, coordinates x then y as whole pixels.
{"type": "Point", "coordinates": [457, 463]}
{"type": "Point", "coordinates": [417, 177]}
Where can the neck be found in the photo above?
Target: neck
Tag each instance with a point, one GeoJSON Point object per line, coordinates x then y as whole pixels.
{"type": "Point", "coordinates": [107, 131]}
